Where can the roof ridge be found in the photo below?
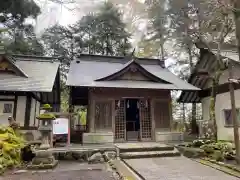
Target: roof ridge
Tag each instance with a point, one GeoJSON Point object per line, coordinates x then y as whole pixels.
{"type": "Point", "coordinates": [38, 58]}
{"type": "Point", "coordinates": [120, 59]}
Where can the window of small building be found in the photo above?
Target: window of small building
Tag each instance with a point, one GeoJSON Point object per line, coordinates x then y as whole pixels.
{"type": "Point", "coordinates": [7, 108]}
{"type": "Point", "coordinates": [228, 116]}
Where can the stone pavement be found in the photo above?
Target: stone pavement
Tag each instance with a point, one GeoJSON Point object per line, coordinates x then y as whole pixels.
{"type": "Point", "coordinates": [66, 171]}
{"type": "Point", "coordinates": [175, 168]}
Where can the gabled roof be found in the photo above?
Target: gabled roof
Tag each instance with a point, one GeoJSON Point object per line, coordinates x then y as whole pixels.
{"type": "Point", "coordinates": [206, 62]}
{"type": "Point", "coordinates": [127, 67]}
{"type": "Point", "coordinates": [94, 71]}
{"type": "Point", "coordinates": [38, 74]}
{"type": "Point", "coordinates": [17, 69]}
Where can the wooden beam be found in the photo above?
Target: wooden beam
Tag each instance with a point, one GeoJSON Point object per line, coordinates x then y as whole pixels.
{"type": "Point", "coordinates": [6, 99]}
{"type": "Point", "coordinates": [28, 110]}
{"type": "Point", "coordinates": [222, 88]}
{"type": "Point", "coordinates": [15, 107]}
{"type": "Point", "coordinates": [58, 86]}
{"type": "Point", "coordinates": [36, 96]}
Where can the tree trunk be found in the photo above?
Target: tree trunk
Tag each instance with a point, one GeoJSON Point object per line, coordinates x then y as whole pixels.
{"type": "Point", "coordinates": [162, 51]}
{"type": "Point", "coordinates": [184, 118]}
{"type": "Point", "coordinates": [236, 5]}
{"type": "Point", "coordinates": [212, 111]}
{"type": "Point", "coordinates": [194, 128]}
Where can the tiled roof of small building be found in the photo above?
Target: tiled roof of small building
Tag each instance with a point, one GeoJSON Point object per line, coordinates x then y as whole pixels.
{"type": "Point", "coordinates": [88, 69]}
{"type": "Point", "coordinates": [40, 73]}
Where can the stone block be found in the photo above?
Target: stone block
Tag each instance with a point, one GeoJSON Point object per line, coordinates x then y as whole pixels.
{"type": "Point", "coordinates": [98, 138]}
{"type": "Point", "coordinates": [169, 136]}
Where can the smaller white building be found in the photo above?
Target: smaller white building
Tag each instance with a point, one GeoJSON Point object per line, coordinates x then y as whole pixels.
{"type": "Point", "coordinates": [207, 62]}
{"type": "Point", "coordinates": [26, 82]}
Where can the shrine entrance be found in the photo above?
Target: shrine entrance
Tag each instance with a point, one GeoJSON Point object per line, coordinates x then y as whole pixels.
{"type": "Point", "coordinates": [132, 120]}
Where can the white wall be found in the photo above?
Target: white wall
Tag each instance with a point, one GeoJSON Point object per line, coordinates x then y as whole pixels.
{"type": "Point", "coordinates": [21, 106]}
{"type": "Point", "coordinates": [4, 116]}
{"type": "Point", "coordinates": [20, 113]}
{"type": "Point", "coordinates": [222, 102]}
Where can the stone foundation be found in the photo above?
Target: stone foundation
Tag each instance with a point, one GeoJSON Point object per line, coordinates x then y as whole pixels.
{"type": "Point", "coordinates": [169, 136]}
{"type": "Point", "coordinates": [98, 138]}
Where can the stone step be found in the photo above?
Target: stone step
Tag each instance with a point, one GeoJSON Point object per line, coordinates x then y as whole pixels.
{"type": "Point", "coordinates": [146, 148]}
{"type": "Point", "coordinates": [149, 154]}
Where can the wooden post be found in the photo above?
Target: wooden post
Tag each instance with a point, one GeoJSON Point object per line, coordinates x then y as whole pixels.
{"type": "Point", "coordinates": [152, 103]}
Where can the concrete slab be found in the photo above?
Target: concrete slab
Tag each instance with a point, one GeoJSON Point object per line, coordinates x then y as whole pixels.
{"type": "Point", "coordinates": [175, 168]}
{"type": "Point", "coordinates": [125, 171]}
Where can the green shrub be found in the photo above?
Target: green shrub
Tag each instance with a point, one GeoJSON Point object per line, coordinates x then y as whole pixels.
{"type": "Point", "coordinates": [192, 152]}
{"type": "Point", "coordinates": [197, 143]}
{"type": "Point", "coordinates": [10, 148]}
{"type": "Point", "coordinates": [208, 148]}
{"type": "Point", "coordinates": [217, 155]}
{"type": "Point", "coordinates": [229, 156]}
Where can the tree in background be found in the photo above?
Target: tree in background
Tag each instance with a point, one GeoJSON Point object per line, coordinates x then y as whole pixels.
{"type": "Point", "coordinates": [158, 31]}
{"type": "Point", "coordinates": [102, 32]}
{"type": "Point", "coordinates": [19, 37]}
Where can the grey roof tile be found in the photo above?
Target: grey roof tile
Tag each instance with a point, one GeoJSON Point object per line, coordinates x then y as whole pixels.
{"type": "Point", "coordinates": [86, 72]}
{"type": "Point", "coordinates": [41, 73]}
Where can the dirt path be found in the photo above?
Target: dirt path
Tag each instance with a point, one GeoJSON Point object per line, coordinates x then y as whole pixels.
{"type": "Point", "coordinates": [176, 168]}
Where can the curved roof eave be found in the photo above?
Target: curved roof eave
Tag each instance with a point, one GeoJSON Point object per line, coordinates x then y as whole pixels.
{"type": "Point", "coordinates": [127, 65]}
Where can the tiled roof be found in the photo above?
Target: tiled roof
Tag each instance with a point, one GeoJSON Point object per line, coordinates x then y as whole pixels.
{"type": "Point", "coordinates": [87, 69]}
{"type": "Point", "coordinates": [40, 74]}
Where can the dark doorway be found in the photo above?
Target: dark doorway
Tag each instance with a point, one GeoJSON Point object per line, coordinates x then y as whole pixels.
{"type": "Point", "coordinates": [132, 119]}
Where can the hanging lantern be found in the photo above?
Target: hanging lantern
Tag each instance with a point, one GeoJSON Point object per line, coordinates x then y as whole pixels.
{"type": "Point", "coordinates": [146, 104]}
{"type": "Point", "coordinates": [118, 104]}
{"type": "Point", "coordinates": [138, 105]}
{"type": "Point", "coordinates": [127, 104]}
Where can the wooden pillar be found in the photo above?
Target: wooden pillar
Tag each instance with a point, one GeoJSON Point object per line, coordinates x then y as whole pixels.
{"type": "Point", "coordinates": [91, 111]}
{"type": "Point", "coordinates": [152, 119]}
{"type": "Point", "coordinates": [170, 114]}
{"type": "Point", "coordinates": [113, 118]}
{"type": "Point", "coordinates": [70, 107]}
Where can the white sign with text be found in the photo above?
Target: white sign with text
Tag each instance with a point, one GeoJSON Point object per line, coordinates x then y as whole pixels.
{"type": "Point", "coordinates": [60, 126]}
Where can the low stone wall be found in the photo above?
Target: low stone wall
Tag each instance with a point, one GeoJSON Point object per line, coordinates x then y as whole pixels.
{"type": "Point", "coordinates": [169, 136]}
{"type": "Point", "coordinates": [98, 138]}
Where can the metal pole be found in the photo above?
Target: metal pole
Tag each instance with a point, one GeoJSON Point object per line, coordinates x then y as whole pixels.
{"type": "Point", "coordinates": [234, 113]}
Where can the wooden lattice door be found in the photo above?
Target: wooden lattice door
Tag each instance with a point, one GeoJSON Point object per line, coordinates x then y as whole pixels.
{"type": "Point", "coordinates": [120, 123]}
{"type": "Point", "coordinates": [145, 120]}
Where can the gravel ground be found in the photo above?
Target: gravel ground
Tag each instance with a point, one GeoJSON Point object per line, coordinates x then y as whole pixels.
{"type": "Point", "coordinates": [69, 175]}
{"type": "Point", "coordinates": [176, 168]}
{"type": "Point", "coordinates": [65, 171]}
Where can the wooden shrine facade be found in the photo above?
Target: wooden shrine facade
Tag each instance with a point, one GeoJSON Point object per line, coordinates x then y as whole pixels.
{"type": "Point", "coordinates": [107, 110]}
{"type": "Point", "coordinates": [127, 98]}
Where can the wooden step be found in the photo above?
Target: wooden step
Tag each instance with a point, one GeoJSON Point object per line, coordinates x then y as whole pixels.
{"type": "Point", "coordinates": [149, 154]}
